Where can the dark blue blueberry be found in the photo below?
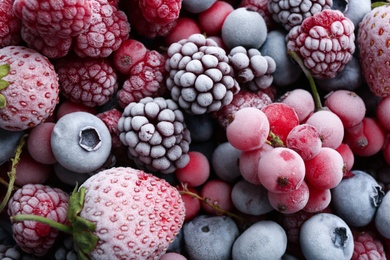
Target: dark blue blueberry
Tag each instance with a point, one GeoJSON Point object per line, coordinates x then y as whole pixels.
{"type": "Point", "coordinates": [8, 142]}
{"type": "Point", "coordinates": [382, 218]}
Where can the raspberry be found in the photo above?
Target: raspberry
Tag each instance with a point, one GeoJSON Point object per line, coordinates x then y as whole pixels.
{"type": "Point", "coordinates": [10, 25]}
{"type": "Point", "coordinates": [109, 28]}
{"type": "Point", "coordinates": [160, 12]}
{"type": "Point", "coordinates": [51, 47]}
{"type": "Point", "coordinates": [367, 247]}
{"type": "Point", "coordinates": [294, 12]}
{"type": "Point", "coordinates": [243, 98]}
{"type": "Point", "coordinates": [56, 18]}
{"type": "Point", "coordinates": [325, 42]}
{"type": "Point", "coordinates": [146, 79]}
{"type": "Point", "coordinates": [252, 70]}
{"type": "Point", "coordinates": [35, 237]}
{"type": "Point", "coordinates": [90, 81]}
{"type": "Point", "coordinates": [155, 133]}
{"type": "Point", "coordinates": [200, 76]}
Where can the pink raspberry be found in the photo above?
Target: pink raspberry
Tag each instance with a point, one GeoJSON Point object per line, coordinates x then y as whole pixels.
{"type": "Point", "coordinates": [147, 79]}
{"type": "Point", "coordinates": [160, 12]}
{"type": "Point", "coordinates": [35, 237]}
{"type": "Point", "coordinates": [90, 81]}
{"type": "Point", "coordinates": [57, 18]}
{"type": "Point", "coordinates": [10, 25]}
{"type": "Point", "coordinates": [367, 247]}
{"type": "Point", "coordinates": [325, 42]}
{"type": "Point", "coordinates": [109, 28]}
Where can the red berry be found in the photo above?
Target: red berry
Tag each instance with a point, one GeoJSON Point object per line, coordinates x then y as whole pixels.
{"type": "Point", "coordinates": [211, 20]}
{"type": "Point", "coordinates": [38, 143]}
{"type": "Point", "coordinates": [196, 172]}
{"type": "Point", "coordinates": [290, 202]}
{"type": "Point", "coordinates": [184, 28]}
{"type": "Point", "coordinates": [11, 25]}
{"type": "Point", "coordinates": [217, 192]}
{"type": "Point", "coordinates": [160, 11]}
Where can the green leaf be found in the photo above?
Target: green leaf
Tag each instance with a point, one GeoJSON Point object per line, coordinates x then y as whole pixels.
{"type": "Point", "coordinates": [3, 101]}
{"type": "Point", "coordinates": [80, 223]}
{"type": "Point", "coordinates": [3, 84]}
{"type": "Point", "coordinates": [76, 202]}
{"type": "Point", "coordinates": [85, 241]}
{"type": "Point", "coordinates": [378, 4]}
{"type": "Point", "coordinates": [4, 70]}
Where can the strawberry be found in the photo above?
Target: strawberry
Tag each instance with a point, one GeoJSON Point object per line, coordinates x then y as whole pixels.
{"type": "Point", "coordinates": [374, 42]}
{"type": "Point", "coordinates": [136, 214]}
{"type": "Point", "coordinates": [28, 88]}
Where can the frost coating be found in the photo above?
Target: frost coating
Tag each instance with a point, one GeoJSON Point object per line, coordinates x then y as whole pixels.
{"type": "Point", "coordinates": [89, 139]}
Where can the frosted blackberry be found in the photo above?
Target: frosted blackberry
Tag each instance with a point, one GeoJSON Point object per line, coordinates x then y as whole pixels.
{"type": "Point", "coordinates": [155, 133]}
{"type": "Point", "coordinates": [200, 77]}
{"type": "Point", "coordinates": [251, 69]}
{"type": "Point", "coordinates": [290, 13]}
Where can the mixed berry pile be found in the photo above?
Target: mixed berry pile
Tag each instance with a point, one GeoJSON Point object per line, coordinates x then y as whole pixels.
{"type": "Point", "coordinates": [187, 129]}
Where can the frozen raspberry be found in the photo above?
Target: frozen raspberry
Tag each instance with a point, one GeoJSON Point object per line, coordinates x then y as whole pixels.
{"type": "Point", "coordinates": [57, 18]}
{"type": "Point", "coordinates": [51, 47]}
{"type": "Point", "coordinates": [90, 81]}
{"type": "Point", "coordinates": [325, 42]}
{"type": "Point", "coordinates": [109, 28]}
{"type": "Point", "coordinates": [10, 25]}
{"type": "Point", "coordinates": [156, 134]}
{"type": "Point", "coordinates": [242, 99]}
{"type": "Point", "coordinates": [200, 76]}
{"type": "Point", "coordinates": [294, 12]}
{"type": "Point", "coordinates": [252, 70]}
{"type": "Point", "coordinates": [35, 237]}
{"type": "Point", "coordinates": [147, 79]}
{"type": "Point", "coordinates": [110, 119]}
{"type": "Point", "coordinates": [367, 247]}
{"type": "Point", "coordinates": [160, 12]}
{"type": "Point", "coordinates": [143, 26]}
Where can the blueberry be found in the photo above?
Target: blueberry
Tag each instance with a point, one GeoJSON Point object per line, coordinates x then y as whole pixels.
{"type": "Point", "coordinates": [8, 143]}
{"type": "Point", "coordinates": [209, 237]}
{"type": "Point", "coordinates": [201, 127]}
{"type": "Point", "coordinates": [263, 240]}
{"type": "Point", "coordinates": [81, 142]}
{"type": "Point", "coordinates": [286, 71]}
{"type": "Point", "coordinates": [69, 177]}
{"type": "Point", "coordinates": [382, 218]}
{"type": "Point", "coordinates": [225, 162]}
{"type": "Point", "coordinates": [196, 6]}
{"type": "Point", "coordinates": [250, 198]}
{"type": "Point", "coordinates": [357, 198]}
{"type": "Point", "coordinates": [176, 245]}
{"type": "Point", "coordinates": [244, 27]}
{"type": "Point", "coordinates": [355, 10]}
{"type": "Point", "coordinates": [326, 236]}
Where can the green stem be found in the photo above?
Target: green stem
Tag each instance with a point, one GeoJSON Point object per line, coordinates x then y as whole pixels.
{"type": "Point", "coordinates": [12, 172]}
{"type": "Point", "coordinates": [44, 220]}
{"type": "Point", "coordinates": [314, 91]}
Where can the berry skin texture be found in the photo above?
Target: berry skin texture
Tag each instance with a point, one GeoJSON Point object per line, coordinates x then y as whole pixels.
{"type": "Point", "coordinates": [325, 42]}
{"type": "Point", "coordinates": [218, 193]}
{"type": "Point", "coordinates": [248, 129]}
{"type": "Point", "coordinates": [128, 54]}
{"type": "Point", "coordinates": [11, 25]}
{"type": "Point", "coordinates": [160, 12]}
{"type": "Point", "coordinates": [38, 143]}
{"type": "Point", "coordinates": [137, 215]}
{"type": "Point", "coordinates": [367, 246]}
{"type": "Point", "coordinates": [34, 237]}
{"type": "Point", "coordinates": [373, 39]}
{"type": "Point", "coordinates": [211, 20]}
{"type": "Point", "coordinates": [382, 217]}
{"type": "Point", "coordinates": [196, 172]}
{"type": "Point", "coordinates": [32, 93]}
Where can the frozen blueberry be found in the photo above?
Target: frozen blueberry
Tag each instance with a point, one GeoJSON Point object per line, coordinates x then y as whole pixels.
{"type": "Point", "coordinates": [250, 198]}
{"type": "Point", "coordinates": [286, 71]}
{"type": "Point", "coordinates": [8, 143]}
{"type": "Point", "coordinates": [326, 236]}
{"type": "Point", "coordinates": [382, 218]}
{"type": "Point", "coordinates": [201, 127]}
{"type": "Point", "coordinates": [263, 240]}
{"type": "Point", "coordinates": [225, 162]}
{"type": "Point", "coordinates": [355, 10]}
{"type": "Point", "coordinates": [244, 27]}
{"type": "Point", "coordinates": [176, 245]}
{"type": "Point", "coordinates": [196, 6]}
{"type": "Point", "coordinates": [81, 142]}
{"type": "Point", "coordinates": [357, 198]}
{"type": "Point", "coordinates": [209, 237]}
{"type": "Point", "coordinates": [69, 177]}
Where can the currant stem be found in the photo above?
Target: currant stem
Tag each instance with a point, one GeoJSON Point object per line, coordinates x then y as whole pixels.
{"type": "Point", "coordinates": [12, 172]}
{"type": "Point", "coordinates": [44, 220]}
{"type": "Point", "coordinates": [316, 96]}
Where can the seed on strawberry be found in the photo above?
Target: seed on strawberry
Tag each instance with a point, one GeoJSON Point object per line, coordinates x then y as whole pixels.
{"type": "Point", "coordinates": [325, 42]}
{"type": "Point", "coordinates": [40, 200]}
{"type": "Point", "coordinates": [29, 90]}
{"type": "Point", "coordinates": [137, 215]}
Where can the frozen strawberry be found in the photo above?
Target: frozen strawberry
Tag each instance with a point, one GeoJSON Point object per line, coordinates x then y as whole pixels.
{"type": "Point", "coordinates": [374, 41]}
{"type": "Point", "coordinates": [40, 200]}
{"type": "Point", "coordinates": [137, 215]}
{"type": "Point", "coordinates": [325, 42]}
{"type": "Point", "coordinates": [28, 88]}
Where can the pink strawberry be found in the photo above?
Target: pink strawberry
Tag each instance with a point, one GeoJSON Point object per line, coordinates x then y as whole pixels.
{"type": "Point", "coordinates": [374, 42]}
{"type": "Point", "coordinates": [40, 200]}
{"type": "Point", "coordinates": [136, 214]}
{"type": "Point", "coordinates": [28, 88]}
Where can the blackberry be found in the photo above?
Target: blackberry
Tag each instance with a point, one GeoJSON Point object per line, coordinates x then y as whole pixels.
{"type": "Point", "coordinates": [200, 77]}
{"type": "Point", "coordinates": [290, 13]}
{"type": "Point", "coordinates": [251, 69]}
{"type": "Point", "coordinates": [156, 134]}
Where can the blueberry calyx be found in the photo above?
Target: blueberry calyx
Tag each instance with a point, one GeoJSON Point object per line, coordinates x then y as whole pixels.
{"type": "Point", "coordinates": [377, 196]}
{"type": "Point", "coordinates": [340, 237]}
{"type": "Point", "coordinates": [89, 139]}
